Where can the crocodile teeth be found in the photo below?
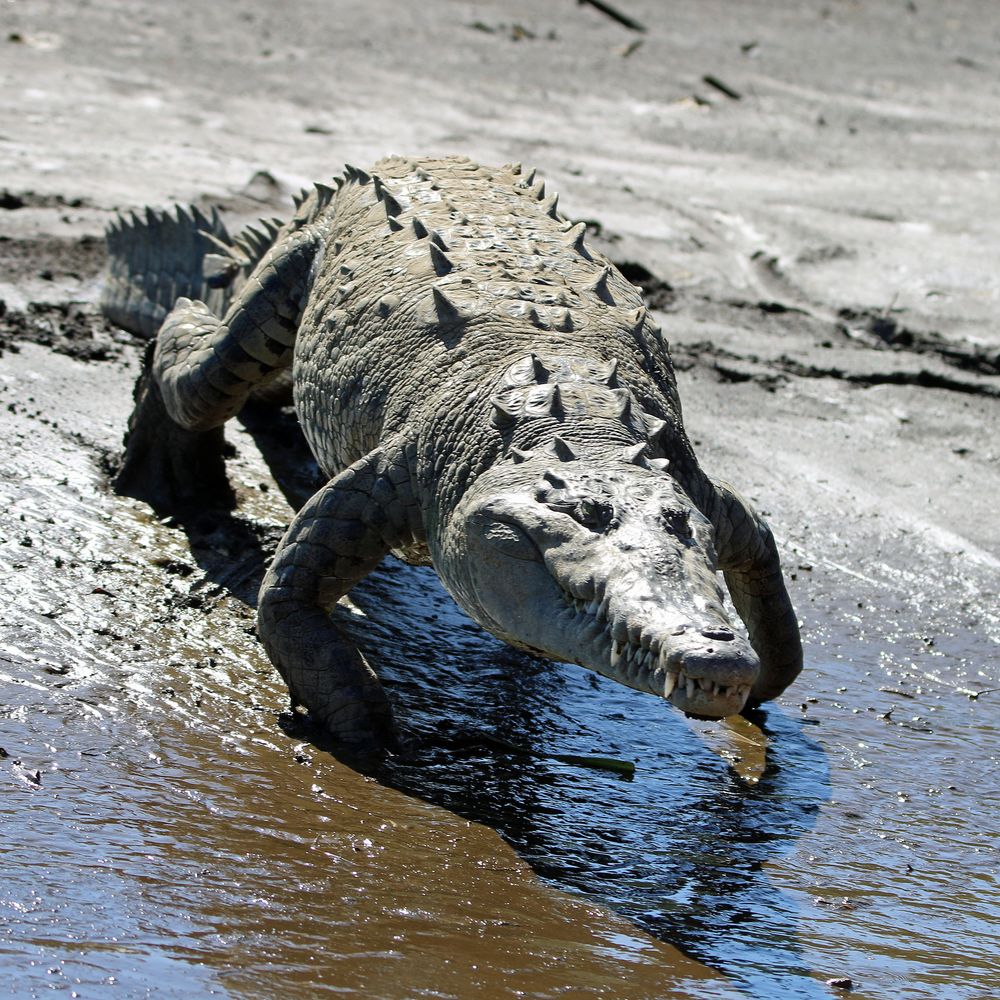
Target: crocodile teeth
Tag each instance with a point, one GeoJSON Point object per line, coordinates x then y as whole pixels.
{"type": "Point", "coordinates": [689, 688]}
{"type": "Point", "coordinates": [669, 684]}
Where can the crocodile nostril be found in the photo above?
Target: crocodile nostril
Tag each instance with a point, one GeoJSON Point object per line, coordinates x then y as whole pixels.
{"type": "Point", "coordinates": [722, 634]}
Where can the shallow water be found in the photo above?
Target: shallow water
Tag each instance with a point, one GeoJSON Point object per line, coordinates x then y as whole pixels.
{"type": "Point", "coordinates": [163, 833]}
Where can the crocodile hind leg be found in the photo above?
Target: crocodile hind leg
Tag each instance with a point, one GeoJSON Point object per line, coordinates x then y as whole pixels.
{"type": "Point", "coordinates": [202, 370]}
{"type": "Point", "coordinates": [337, 539]}
{"type": "Point", "coordinates": [749, 561]}
{"type": "Point", "coordinates": [165, 464]}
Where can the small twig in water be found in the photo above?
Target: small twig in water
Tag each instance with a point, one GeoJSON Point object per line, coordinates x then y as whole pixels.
{"type": "Point", "coordinates": [902, 694]}
{"type": "Point", "coordinates": [973, 695]}
{"type": "Point", "coordinates": [625, 767]}
{"type": "Point", "coordinates": [622, 767]}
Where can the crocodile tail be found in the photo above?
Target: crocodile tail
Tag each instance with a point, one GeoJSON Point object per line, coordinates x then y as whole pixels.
{"type": "Point", "coordinates": [157, 257]}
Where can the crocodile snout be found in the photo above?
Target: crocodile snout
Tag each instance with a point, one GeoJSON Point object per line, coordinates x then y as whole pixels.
{"type": "Point", "coordinates": [712, 681]}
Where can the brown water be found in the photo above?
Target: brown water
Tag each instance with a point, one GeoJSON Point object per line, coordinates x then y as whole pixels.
{"type": "Point", "coordinates": [163, 834]}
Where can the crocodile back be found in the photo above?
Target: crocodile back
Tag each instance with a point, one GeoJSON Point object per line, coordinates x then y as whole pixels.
{"type": "Point", "coordinates": [437, 276]}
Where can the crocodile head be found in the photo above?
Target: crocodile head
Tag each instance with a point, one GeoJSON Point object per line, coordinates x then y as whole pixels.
{"type": "Point", "coordinates": [608, 565]}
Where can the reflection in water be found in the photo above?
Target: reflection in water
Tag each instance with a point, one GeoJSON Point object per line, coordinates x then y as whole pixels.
{"type": "Point", "coordinates": [680, 850]}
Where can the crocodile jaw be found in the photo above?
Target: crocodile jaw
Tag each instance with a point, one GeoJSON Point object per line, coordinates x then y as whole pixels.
{"type": "Point", "coordinates": [706, 671]}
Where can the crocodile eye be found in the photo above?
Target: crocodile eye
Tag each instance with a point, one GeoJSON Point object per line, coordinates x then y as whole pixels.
{"type": "Point", "coordinates": [588, 513]}
{"type": "Point", "coordinates": [593, 514]}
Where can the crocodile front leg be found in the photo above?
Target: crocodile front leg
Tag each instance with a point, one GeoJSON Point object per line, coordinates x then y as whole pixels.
{"type": "Point", "coordinates": [336, 540]}
{"type": "Point", "coordinates": [749, 560]}
{"type": "Point", "coordinates": [200, 374]}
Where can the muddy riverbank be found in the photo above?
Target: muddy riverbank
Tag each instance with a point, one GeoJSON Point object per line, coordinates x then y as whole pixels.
{"type": "Point", "coordinates": [821, 255]}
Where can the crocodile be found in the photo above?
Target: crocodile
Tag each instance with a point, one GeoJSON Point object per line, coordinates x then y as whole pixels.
{"type": "Point", "coordinates": [485, 392]}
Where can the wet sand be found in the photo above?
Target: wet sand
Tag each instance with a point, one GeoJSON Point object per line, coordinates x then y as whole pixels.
{"type": "Point", "coordinates": [821, 253]}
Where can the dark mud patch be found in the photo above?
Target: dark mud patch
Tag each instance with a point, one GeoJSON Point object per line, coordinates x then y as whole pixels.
{"type": "Point", "coordinates": [770, 342]}
{"type": "Point", "coordinates": [770, 373]}
{"type": "Point", "coordinates": [231, 552]}
{"type": "Point", "coordinates": [770, 307]}
{"type": "Point", "coordinates": [882, 330]}
{"type": "Point", "coordinates": [11, 201]}
{"type": "Point", "coordinates": [922, 378]}
{"type": "Point", "coordinates": [72, 328]}
{"type": "Point", "coordinates": [659, 294]}
{"type": "Point", "coordinates": [51, 258]}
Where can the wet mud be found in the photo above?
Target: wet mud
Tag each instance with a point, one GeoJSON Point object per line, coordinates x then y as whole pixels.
{"type": "Point", "coordinates": [168, 828]}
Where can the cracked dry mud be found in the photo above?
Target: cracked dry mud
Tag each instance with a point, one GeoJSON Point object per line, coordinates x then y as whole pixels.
{"type": "Point", "coordinates": [821, 255]}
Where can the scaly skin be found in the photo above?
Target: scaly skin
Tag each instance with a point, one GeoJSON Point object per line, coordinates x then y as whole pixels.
{"type": "Point", "coordinates": [486, 393]}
